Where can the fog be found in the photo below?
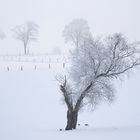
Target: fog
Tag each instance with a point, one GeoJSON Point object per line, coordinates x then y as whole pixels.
{"type": "Point", "coordinates": [104, 17]}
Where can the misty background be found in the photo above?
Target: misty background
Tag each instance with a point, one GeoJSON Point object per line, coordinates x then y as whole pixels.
{"type": "Point", "coordinates": [104, 17]}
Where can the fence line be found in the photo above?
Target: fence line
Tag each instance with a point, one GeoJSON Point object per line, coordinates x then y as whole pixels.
{"type": "Point", "coordinates": [33, 67]}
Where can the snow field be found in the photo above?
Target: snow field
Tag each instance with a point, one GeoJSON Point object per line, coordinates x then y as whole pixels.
{"type": "Point", "coordinates": [31, 107]}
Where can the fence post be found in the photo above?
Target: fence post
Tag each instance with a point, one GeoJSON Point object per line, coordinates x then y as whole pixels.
{"type": "Point", "coordinates": [49, 65]}
{"type": "Point", "coordinates": [8, 68]}
{"type": "Point", "coordinates": [35, 67]}
{"type": "Point", "coordinates": [63, 65]}
{"type": "Point", "coordinates": [21, 68]}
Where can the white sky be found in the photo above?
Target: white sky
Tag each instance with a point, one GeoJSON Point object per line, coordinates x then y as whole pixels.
{"type": "Point", "coordinates": [104, 17]}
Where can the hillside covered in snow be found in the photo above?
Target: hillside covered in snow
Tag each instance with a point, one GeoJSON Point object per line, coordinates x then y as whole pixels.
{"type": "Point", "coordinates": [31, 106]}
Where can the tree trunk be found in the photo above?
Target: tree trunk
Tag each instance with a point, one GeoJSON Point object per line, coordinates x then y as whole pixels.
{"type": "Point", "coordinates": [25, 49]}
{"type": "Point", "coordinates": [71, 119]}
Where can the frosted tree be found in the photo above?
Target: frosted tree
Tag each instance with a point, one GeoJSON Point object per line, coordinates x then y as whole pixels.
{"type": "Point", "coordinates": [26, 33]}
{"type": "Point", "coordinates": [94, 67]}
{"type": "Point", "coordinates": [76, 32]}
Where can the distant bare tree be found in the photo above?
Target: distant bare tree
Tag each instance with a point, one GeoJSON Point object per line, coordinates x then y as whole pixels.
{"type": "Point", "coordinates": [26, 33]}
{"type": "Point", "coordinates": [94, 66]}
{"type": "Point", "coordinates": [76, 32]}
{"type": "Point", "coordinates": [2, 35]}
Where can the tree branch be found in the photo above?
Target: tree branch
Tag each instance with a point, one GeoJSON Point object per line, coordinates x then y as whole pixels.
{"type": "Point", "coordinates": [83, 94]}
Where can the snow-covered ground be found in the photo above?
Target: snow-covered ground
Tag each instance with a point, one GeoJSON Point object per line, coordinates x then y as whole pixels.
{"type": "Point", "coordinates": [31, 107]}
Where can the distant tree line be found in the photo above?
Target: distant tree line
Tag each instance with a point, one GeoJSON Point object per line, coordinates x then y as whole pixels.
{"type": "Point", "coordinates": [25, 33]}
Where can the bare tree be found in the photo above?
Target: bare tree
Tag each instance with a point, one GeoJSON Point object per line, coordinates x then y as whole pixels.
{"type": "Point", "coordinates": [26, 33]}
{"type": "Point", "coordinates": [2, 34]}
{"type": "Point", "coordinates": [93, 69]}
{"type": "Point", "coordinates": [76, 31]}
